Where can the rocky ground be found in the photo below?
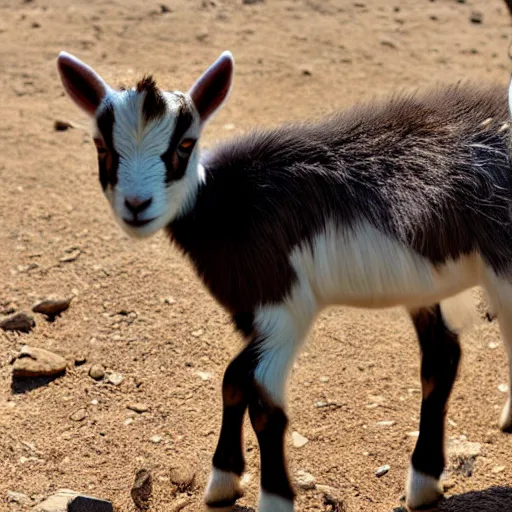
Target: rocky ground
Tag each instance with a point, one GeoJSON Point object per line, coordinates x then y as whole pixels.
{"type": "Point", "coordinates": [140, 348]}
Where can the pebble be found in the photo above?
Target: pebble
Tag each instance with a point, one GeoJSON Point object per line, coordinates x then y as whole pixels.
{"type": "Point", "coordinates": [128, 421]}
{"type": "Point", "coordinates": [96, 371]}
{"type": "Point", "coordinates": [142, 489]}
{"type": "Point", "coordinates": [299, 440]}
{"type": "Point", "coordinates": [498, 469]}
{"type": "Point", "coordinates": [386, 423]}
{"type": "Point", "coordinates": [503, 388]}
{"type": "Point", "coordinates": [137, 407]}
{"type": "Point", "coordinates": [183, 478]}
{"type": "Point", "coordinates": [169, 300]}
{"type": "Point", "coordinates": [382, 470]}
{"type": "Point", "coordinates": [20, 498]}
{"type": "Point", "coordinates": [115, 379]}
{"type": "Point", "coordinates": [37, 362]}
{"type": "Point", "coordinates": [71, 255]}
{"type": "Point", "coordinates": [79, 415]}
{"type": "Point", "coordinates": [492, 345]}
{"type": "Point", "coordinates": [324, 379]}
{"type": "Point", "coordinates": [62, 126]}
{"type": "Point", "coordinates": [305, 480]}
{"type": "Point", "coordinates": [416, 433]}
{"type": "Point", "coordinates": [204, 375]}
{"type": "Point", "coordinates": [51, 306]}
{"type": "Point", "coordinates": [156, 439]}
{"type": "Point", "coordinates": [21, 322]}
{"type": "Point", "coordinates": [80, 360]}
{"type": "Point", "coordinates": [476, 17]}
{"type": "Point", "coordinates": [164, 9]}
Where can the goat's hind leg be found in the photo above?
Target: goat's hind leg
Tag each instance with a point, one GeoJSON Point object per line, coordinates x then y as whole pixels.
{"type": "Point", "coordinates": [440, 352]}
{"type": "Point", "coordinates": [499, 290]}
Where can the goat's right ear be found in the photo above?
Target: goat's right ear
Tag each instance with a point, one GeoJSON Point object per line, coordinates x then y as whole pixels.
{"type": "Point", "coordinates": [85, 87]}
{"type": "Point", "coordinates": [212, 88]}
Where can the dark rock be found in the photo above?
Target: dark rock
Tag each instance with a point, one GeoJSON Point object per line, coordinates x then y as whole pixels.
{"type": "Point", "coordinates": [21, 322]}
{"type": "Point", "coordinates": [477, 17]}
{"type": "Point", "coordinates": [142, 489]}
{"type": "Point", "coordinates": [52, 307]}
{"type": "Point", "coordinates": [88, 504]}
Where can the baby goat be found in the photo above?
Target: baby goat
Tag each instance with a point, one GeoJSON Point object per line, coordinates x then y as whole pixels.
{"type": "Point", "coordinates": [403, 202]}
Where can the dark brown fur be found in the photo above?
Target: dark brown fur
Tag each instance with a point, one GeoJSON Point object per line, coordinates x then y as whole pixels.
{"type": "Point", "coordinates": [154, 105]}
{"type": "Point", "coordinates": [422, 169]}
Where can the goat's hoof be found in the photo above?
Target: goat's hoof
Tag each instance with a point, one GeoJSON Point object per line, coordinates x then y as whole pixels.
{"type": "Point", "coordinates": [222, 491]}
{"type": "Point", "coordinates": [423, 491]}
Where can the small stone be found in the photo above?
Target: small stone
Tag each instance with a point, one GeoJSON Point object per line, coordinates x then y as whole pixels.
{"type": "Point", "coordinates": [115, 379]}
{"type": "Point", "coordinates": [197, 333]}
{"type": "Point", "coordinates": [80, 360]}
{"type": "Point", "coordinates": [21, 322]}
{"type": "Point", "coordinates": [52, 307]}
{"type": "Point", "coordinates": [96, 371]}
{"type": "Point", "coordinates": [305, 480]}
{"type": "Point", "coordinates": [94, 402]}
{"type": "Point", "coordinates": [164, 9]}
{"type": "Point", "coordinates": [156, 439]}
{"type": "Point", "coordinates": [62, 126]}
{"type": "Point", "coordinates": [19, 498]}
{"type": "Point", "coordinates": [137, 407]}
{"type": "Point", "coordinates": [386, 423]}
{"type": "Point", "coordinates": [128, 421]}
{"type": "Point", "coordinates": [498, 469]}
{"type": "Point", "coordinates": [416, 433]}
{"type": "Point", "coordinates": [388, 43]}
{"type": "Point", "coordinates": [169, 300]}
{"type": "Point", "coordinates": [183, 478]}
{"type": "Point", "coordinates": [477, 17]}
{"type": "Point", "coordinates": [324, 379]}
{"type": "Point", "coordinates": [37, 362]}
{"type": "Point", "coordinates": [382, 470]}
{"type": "Point", "coordinates": [503, 388]}
{"type": "Point", "coordinates": [299, 440]}
{"type": "Point", "coordinates": [79, 415]}
{"type": "Point", "coordinates": [306, 72]}
{"type": "Point", "coordinates": [58, 502]}
{"type": "Point", "coordinates": [89, 504]}
{"type": "Point", "coordinates": [71, 255]}
{"type": "Point", "coordinates": [492, 345]}
{"type": "Point", "coordinates": [204, 375]}
{"type": "Point", "coordinates": [142, 489]}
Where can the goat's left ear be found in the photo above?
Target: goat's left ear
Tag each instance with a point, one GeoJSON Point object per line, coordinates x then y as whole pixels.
{"type": "Point", "coordinates": [85, 87]}
{"type": "Point", "coordinates": [212, 88]}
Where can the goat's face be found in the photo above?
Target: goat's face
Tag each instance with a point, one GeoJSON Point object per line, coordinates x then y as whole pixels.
{"type": "Point", "coordinates": [147, 140]}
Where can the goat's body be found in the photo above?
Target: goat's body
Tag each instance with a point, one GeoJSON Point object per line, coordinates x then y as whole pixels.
{"type": "Point", "coordinates": [382, 205]}
{"type": "Point", "coordinates": [405, 202]}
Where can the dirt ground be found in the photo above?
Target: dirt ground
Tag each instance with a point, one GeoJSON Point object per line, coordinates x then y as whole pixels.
{"type": "Point", "coordinates": [294, 59]}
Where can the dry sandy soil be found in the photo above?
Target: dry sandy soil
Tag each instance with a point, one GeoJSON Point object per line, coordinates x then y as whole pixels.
{"type": "Point", "coordinates": [295, 59]}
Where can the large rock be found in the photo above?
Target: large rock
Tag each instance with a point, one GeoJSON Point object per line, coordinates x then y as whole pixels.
{"type": "Point", "coordinates": [37, 362]}
{"type": "Point", "coordinates": [52, 306]}
{"type": "Point", "coordinates": [58, 502]}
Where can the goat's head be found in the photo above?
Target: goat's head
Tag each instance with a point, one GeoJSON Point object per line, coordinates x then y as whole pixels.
{"type": "Point", "coordinates": [147, 139]}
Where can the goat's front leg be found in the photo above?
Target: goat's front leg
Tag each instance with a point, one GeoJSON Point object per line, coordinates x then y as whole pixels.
{"type": "Point", "coordinates": [281, 330]}
{"type": "Point", "coordinates": [223, 487]}
{"type": "Point", "coordinates": [440, 352]}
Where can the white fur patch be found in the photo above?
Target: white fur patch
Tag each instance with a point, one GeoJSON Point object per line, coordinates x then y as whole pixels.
{"type": "Point", "coordinates": [222, 486]}
{"type": "Point", "coordinates": [422, 490]}
{"type": "Point", "coordinates": [363, 267]}
{"type": "Point", "coordinates": [283, 328]}
{"type": "Point", "coordinates": [273, 503]}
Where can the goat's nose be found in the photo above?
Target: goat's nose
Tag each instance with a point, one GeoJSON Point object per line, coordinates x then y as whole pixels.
{"type": "Point", "coordinates": [136, 205]}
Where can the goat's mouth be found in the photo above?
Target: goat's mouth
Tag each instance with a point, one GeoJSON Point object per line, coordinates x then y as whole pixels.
{"type": "Point", "coordinates": [137, 223]}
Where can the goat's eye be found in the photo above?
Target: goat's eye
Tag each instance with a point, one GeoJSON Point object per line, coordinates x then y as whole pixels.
{"type": "Point", "coordinates": [186, 146]}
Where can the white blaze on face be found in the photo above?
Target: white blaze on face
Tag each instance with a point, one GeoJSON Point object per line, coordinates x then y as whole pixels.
{"type": "Point", "coordinates": [141, 173]}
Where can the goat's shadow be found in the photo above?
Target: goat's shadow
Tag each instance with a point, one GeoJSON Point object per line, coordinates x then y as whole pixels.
{"type": "Point", "coordinates": [494, 499]}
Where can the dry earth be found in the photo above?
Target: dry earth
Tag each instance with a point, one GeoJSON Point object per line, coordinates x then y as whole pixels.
{"type": "Point", "coordinates": [295, 59]}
